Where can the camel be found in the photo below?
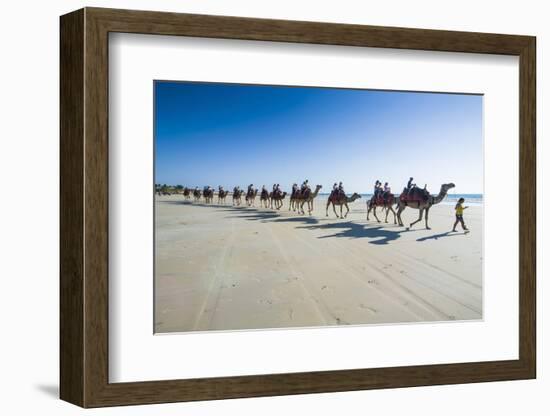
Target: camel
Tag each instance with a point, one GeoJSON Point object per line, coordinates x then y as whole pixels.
{"type": "Point", "coordinates": [386, 204]}
{"type": "Point", "coordinates": [277, 198]}
{"type": "Point", "coordinates": [187, 193]}
{"type": "Point", "coordinates": [422, 205]}
{"type": "Point", "coordinates": [292, 202]}
{"type": "Point", "coordinates": [342, 201]}
{"type": "Point", "coordinates": [222, 195]}
{"type": "Point", "coordinates": [197, 195]}
{"type": "Point", "coordinates": [265, 199]}
{"type": "Point", "coordinates": [301, 198]}
{"type": "Point", "coordinates": [208, 194]}
{"type": "Point", "coordinates": [237, 194]}
{"type": "Point", "coordinates": [251, 197]}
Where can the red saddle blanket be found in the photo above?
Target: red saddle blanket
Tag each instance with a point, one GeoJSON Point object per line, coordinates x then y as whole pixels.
{"type": "Point", "coordinates": [415, 195]}
{"type": "Point", "coordinates": [336, 196]}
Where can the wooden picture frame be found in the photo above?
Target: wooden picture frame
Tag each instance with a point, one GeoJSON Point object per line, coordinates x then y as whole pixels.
{"type": "Point", "coordinates": [84, 207]}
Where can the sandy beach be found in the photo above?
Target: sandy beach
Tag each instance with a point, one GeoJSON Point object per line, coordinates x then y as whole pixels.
{"type": "Point", "coordinates": [228, 268]}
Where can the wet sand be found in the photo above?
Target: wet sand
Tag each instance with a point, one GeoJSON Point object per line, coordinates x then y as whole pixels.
{"type": "Point", "coordinates": [228, 268]}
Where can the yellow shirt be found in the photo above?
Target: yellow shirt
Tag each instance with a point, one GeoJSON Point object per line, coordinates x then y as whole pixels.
{"type": "Point", "coordinates": [459, 209]}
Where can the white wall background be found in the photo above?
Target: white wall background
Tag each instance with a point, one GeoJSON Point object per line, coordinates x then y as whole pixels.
{"type": "Point", "coordinates": [29, 209]}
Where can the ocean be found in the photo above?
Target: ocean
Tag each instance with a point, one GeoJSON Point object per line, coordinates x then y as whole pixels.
{"type": "Point", "coordinates": [450, 199]}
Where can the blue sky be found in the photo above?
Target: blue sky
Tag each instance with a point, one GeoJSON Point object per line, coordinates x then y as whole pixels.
{"type": "Point", "coordinates": [235, 134]}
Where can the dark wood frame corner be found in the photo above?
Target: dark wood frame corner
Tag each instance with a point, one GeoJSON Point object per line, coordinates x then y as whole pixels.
{"type": "Point", "coordinates": [84, 207]}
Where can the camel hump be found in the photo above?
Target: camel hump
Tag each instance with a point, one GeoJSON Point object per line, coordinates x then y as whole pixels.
{"type": "Point", "coordinates": [337, 195]}
{"type": "Point", "coordinates": [415, 194]}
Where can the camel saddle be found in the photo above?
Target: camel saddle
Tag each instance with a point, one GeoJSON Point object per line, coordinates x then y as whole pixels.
{"type": "Point", "coordinates": [416, 194]}
{"type": "Point", "coordinates": [337, 195]}
{"type": "Point", "coordinates": [380, 199]}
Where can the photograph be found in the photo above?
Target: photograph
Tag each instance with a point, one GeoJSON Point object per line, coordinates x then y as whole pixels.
{"type": "Point", "coordinates": [279, 206]}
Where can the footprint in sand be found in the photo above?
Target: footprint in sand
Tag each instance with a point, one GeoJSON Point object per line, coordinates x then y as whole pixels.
{"type": "Point", "coordinates": [363, 306]}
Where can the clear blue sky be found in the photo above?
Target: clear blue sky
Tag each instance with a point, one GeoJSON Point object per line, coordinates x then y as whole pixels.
{"type": "Point", "coordinates": [233, 134]}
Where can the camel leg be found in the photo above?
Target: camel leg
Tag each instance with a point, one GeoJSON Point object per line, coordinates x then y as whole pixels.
{"type": "Point", "coordinates": [347, 211]}
{"type": "Point", "coordinates": [374, 213]}
{"type": "Point", "coordinates": [420, 215]}
{"type": "Point", "coordinates": [393, 212]}
{"type": "Point", "coordinates": [400, 210]}
{"type": "Point", "coordinates": [334, 208]}
{"type": "Point", "coordinates": [310, 206]}
{"type": "Point", "coordinates": [427, 211]}
{"type": "Point", "coordinates": [368, 212]}
{"type": "Point", "coordinates": [328, 204]}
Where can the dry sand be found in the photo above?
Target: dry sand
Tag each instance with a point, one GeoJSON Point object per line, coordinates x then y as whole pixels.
{"type": "Point", "coordinates": [227, 268]}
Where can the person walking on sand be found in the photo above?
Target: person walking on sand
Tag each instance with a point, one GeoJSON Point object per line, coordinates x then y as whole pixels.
{"type": "Point", "coordinates": [459, 210]}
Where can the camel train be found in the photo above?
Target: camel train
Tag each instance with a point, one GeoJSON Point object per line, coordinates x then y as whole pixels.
{"type": "Point", "coordinates": [412, 197]}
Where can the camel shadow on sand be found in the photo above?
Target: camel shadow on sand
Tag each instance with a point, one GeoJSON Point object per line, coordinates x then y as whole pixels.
{"type": "Point", "coordinates": [377, 234]}
{"type": "Point", "coordinates": [301, 219]}
{"type": "Point", "coordinates": [257, 214]}
{"type": "Point", "coordinates": [251, 214]}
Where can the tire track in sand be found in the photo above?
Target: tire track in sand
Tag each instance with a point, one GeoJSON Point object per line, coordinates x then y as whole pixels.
{"type": "Point", "coordinates": [204, 318]}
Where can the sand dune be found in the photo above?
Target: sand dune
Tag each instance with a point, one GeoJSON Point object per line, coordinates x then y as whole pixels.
{"type": "Point", "coordinates": [227, 268]}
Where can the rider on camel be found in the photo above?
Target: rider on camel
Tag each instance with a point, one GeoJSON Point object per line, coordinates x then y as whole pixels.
{"type": "Point", "coordinates": [377, 189]}
{"type": "Point", "coordinates": [387, 191]}
{"type": "Point", "coordinates": [334, 192]}
{"type": "Point", "coordinates": [341, 192]}
{"type": "Point", "coordinates": [410, 186]}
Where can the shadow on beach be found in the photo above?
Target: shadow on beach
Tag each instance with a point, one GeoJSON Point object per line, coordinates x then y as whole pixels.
{"type": "Point", "coordinates": [259, 214]}
{"type": "Point", "coordinates": [377, 234]}
{"type": "Point", "coordinates": [350, 229]}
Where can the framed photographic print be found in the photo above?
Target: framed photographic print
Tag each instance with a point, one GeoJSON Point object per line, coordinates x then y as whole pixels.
{"type": "Point", "coordinates": [256, 207]}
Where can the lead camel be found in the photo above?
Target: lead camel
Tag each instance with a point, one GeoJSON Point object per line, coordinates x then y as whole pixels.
{"type": "Point", "coordinates": [422, 201]}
